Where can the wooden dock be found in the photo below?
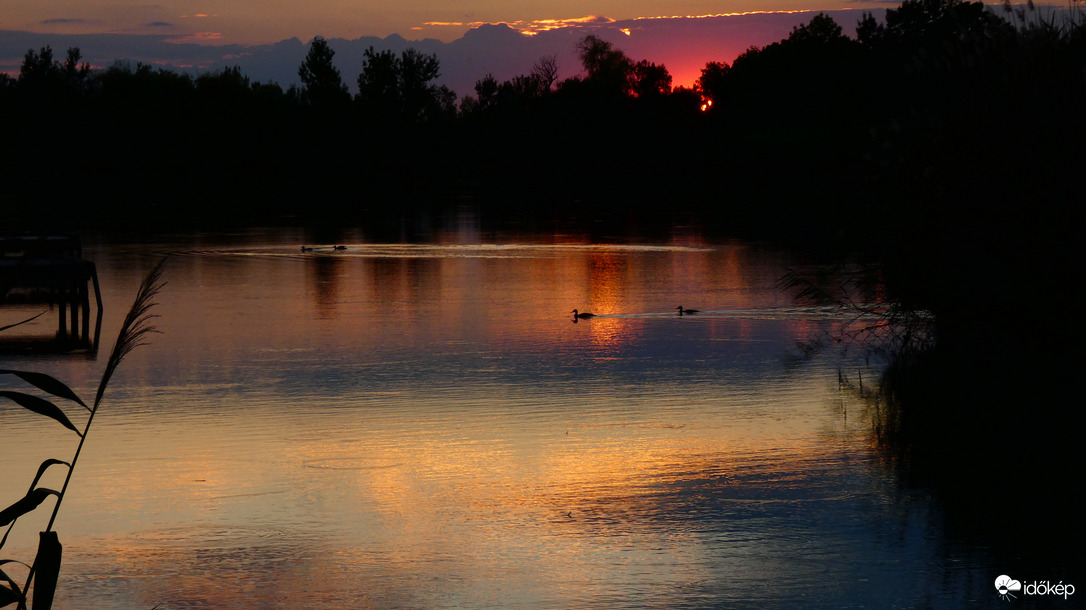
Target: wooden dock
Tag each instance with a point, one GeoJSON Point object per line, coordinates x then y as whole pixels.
{"type": "Point", "coordinates": [50, 269]}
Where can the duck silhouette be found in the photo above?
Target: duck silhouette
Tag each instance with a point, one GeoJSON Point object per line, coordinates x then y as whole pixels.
{"type": "Point", "coordinates": [305, 249]}
{"type": "Point", "coordinates": [339, 247]}
{"type": "Point", "coordinates": [682, 311]}
{"type": "Point", "coordinates": [582, 315]}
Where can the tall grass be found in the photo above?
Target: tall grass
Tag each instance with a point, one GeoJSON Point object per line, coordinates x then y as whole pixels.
{"type": "Point", "coordinates": [44, 572]}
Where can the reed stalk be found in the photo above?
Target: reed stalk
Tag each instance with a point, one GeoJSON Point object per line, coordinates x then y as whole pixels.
{"type": "Point", "coordinates": [137, 325]}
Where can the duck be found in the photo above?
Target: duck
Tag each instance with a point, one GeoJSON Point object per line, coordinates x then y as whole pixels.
{"type": "Point", "coordinates": [582, 315]}
{"type": "Point", "coordinates": [682, 311]}
{"type": "Point", "coordinates": [339, 247]}
{"type": "Point", "coordinates": [305, 249]}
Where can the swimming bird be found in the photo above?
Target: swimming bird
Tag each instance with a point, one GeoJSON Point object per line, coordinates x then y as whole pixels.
{"type": "Point", "coordinates": [304, 249]}
{"type": "Point", "coordinates": [682, 311]}
{"type": "Point", "coordinates": [582, 315]}
{"type": "Point", "coordinates": [339, 247]}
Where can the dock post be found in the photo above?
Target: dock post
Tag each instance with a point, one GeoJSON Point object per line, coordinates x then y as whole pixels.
{"type": "Point", "coordinates": [62, 328]}
{"type": "Point", "coordinates": [84, 295]}
{"type": "Point", "coordinates": [73, 293]}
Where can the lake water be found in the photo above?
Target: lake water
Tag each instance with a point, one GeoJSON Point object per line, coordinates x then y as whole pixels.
{"type": "Point", "coordinates": [425, 425]}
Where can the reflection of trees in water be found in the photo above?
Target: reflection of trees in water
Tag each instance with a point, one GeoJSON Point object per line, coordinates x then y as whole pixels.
{"type": "Point", "coordinates": [979, 421]}
{"type": "Point", "coordinates": [325, 284]}
{"type": "Point", "coordinates": [990, 434]}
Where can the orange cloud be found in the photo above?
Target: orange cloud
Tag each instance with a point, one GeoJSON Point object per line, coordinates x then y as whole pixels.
{"type": "Point", "coordinates": [531, 28]}
{"type": "Point", "coordinates": [198, 37]}
{"type": "Point", "coordinates": [723, 15]}
{"type": "Point", "coordinates": [543, 25]}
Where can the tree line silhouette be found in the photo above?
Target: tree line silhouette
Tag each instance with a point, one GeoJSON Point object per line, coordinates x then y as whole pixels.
{"type": "Point", "coordinates": [930, 123]}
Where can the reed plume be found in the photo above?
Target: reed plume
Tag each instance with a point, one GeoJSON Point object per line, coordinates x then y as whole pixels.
{"type": "Point", "coordinates": [137, 325]}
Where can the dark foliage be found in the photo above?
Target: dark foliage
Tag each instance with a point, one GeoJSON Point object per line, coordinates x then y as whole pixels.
{"type": "Point", "coordinates": [397, 92]}
{"type": "Point", "coordinates": [322, 86]}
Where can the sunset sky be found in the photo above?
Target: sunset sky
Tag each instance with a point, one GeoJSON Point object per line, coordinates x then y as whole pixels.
{"type": "Point", "coordinates": [209, 35]}
{"type": "Point", "coordinates": [261, 21]}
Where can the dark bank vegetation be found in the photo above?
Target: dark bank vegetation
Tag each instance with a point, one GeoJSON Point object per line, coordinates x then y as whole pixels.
{"type": "Point", "coordinates": [818, 131]}
{"type": "Point", "coordinates": [944, 143]}
{"type": "Point", "coordinates": [861, 138]}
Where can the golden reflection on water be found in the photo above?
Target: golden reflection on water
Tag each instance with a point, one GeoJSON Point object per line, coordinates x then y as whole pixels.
{"type": "Point", "coordinates": [441, 292]}
{"type": "Point", "coordinates": [428, 427]}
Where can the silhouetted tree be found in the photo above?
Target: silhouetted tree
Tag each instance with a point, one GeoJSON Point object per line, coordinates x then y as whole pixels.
{"type": "Point", "coordinates": [821, 30]}
{"type": "Point", "coordinates": [486, 94]}
{"type": "Point", "coordinates": [422, 100]}
{"type": "Point", "coordinates": [143, 91]}
{"type": "Point", "coordinates": [712, 84]}
{"type": "Point", "coordinates": [227, 88]}
{"type": "Point", "coordinates": [611, 77]}
{"type": "Point", "coordinates": [927, 21]}
{"type": "Point", "coordinates": [38, 65]}
{"type": "Point", "coordinates": [321, 81]}
{"type": "Point", "coordinates": [869, 32]}
{"type": "Point", "coordinates": [607, 69]}
{"type": "Point", "coordinates": [73, 69]}
{"type": "Point", "coordinates": [650, 80]}
{"type": "Point", "coordinates": [40, 70]}
{"type": "Point", "coordinates": [514, 96]}
{"type": "Point", "coordinates": [379, 83]}
{"type": "Point", "coordinates": [816, 62]}
{"type": "Point", "coordinates": [391, 87]}
{"type": "Point", "coordinates": [545, 72]}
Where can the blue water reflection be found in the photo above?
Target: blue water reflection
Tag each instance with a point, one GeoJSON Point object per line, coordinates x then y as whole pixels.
{"type": "Point", "coordinates": [425, 425]}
